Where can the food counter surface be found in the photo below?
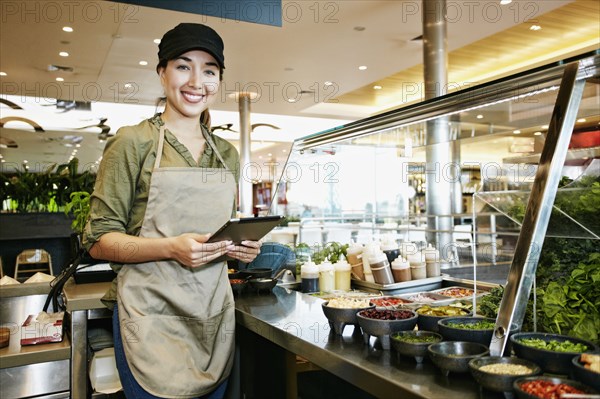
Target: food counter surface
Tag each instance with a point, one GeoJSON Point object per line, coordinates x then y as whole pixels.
{"type": "Point", "coordinates": [296, 322]}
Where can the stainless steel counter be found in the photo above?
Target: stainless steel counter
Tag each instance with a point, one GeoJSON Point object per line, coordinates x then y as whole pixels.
{"type": "Point", "coordinates": [295, 322]}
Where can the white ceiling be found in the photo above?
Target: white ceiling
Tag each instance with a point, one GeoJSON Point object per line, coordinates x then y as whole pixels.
{"type": "Point", "coordinates": [320, 41]}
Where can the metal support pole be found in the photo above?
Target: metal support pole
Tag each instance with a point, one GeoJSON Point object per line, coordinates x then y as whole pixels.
{"type": "Point", "coordinates": [437, 153]}
{"type": "Point", "coordinates": [245, 131]}
{"type": "Point", "coordinates": [539, 207]}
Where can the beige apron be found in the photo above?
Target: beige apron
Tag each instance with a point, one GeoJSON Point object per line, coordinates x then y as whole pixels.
{"type": "Point", "coordinates": [178, 323]}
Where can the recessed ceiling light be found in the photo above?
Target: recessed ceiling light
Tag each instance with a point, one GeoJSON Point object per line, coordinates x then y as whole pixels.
{"type": "Point", "coordinates": [260, 157]}
{"type": "Point", "coordinates": [25, 161]}
{"type": "Point", "coordinates": [537, 134]}
{"type": "Point", "coordinates": [291, 100]}
{"type": "Point", "coordinates": [127, 85]}
{"type": "Point", "coordinates": [143, 63]}
{"type": "Point", "coordinates": [516, 131]}
{"type": "Point", "coordinates": [545, 126]}
{"type": "Point", "coordinates": [67, 29]}
{"type": "Point", "coordinates": [63, 54]}
{"type": "Point", "coordinates": [479, 116]}
{"type": "Point", "coordinates": [284, 150]}
{"type": "Point", "coordinates": [328, 83]}
{"type": "Point", "coordinates": [157, 41]}
{"type": "Point", "coordinates": [535, 27]}
{"type": "Point", "coordinates": [377, 87]}
{"type": "Point", "coordinates": [505, 2]}
{"type": "Point", "coordinates": [60, 80]}
{"type": "Point", "coordinates": [581, 120]}
{"type": "Point", "coordinates": [3, 74]}
{"type": "Point", "coordinates": [362, 67]}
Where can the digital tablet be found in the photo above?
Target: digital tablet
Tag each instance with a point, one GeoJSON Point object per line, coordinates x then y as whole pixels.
{"type": "Point", "coordinates": [253, 229]}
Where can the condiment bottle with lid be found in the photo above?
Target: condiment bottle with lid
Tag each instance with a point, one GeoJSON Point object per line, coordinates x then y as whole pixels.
{"type": "Point", "coordinates": [401, 270]}
{"type": "Point", "coordinates": [390, 249]}
{"type": "Point", "coordinates": [380, 268]}
{"type": "Point", "coordinates": [342, 275]}
{"type": "Point", "coordinates": [368, 252]}
{"type": "Point", "coordinates": [309, 275]}
{"type": "Point", "coordinates": [417, 265]}
{"type": "Point", "coordinates": [407, 248]}
{"type": "Point", "coordinates": [326, 277]}
{"type": "Point", "coordinates": [354, 255]}
{"type": "Point", "coordinates": [432, 261]}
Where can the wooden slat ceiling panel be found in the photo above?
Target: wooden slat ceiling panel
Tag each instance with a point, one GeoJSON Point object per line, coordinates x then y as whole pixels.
{"type": "Point", "coordinates": [573, 26]}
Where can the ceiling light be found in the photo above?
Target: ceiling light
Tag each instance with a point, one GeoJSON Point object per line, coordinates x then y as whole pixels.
{"type": "Point", "coordinates": [581, 120]}
{"type": "Point", "coordinates": [260, 157]}
{"type": "Point", "coordinates": [535, 27]}
{"type": "Point", "coordinates": [537, 134]}
{"type": "Point", "coordinates": [143, 63]}
{"type": "Point", "coordinates": [25, 161]}
{"type": "Point", "coordinates": [269, 154]}
{"type": "Point", "coordinates": [505, 2]}
{"type": "Point", "coordinates": [67, 29]}
{"type": "Point", "coordinates": [516, 131]}
{"type": "Point", "coordinates": [60, 80]}
{"type": "Point", "coordinates": [544, 126]}
{"type": "Point", "coordinates": [157, 41]}
{"type": "Point", "coordinates": [63, 54]}
{"type": "Point", "coordinates": [377, 87]}
{"type": "Point", "coordinates": [479, 116]}
{"type": "Point", "coordinates": [291, 100]}
{"type": "Point", "coordinates": [328, 83]}
{"type": "Point", "coordinates": [3, 73]}
{"type": "Point", "coordinates": [284, 150]}
{"type": "Point", "coordinates": [127, 85]}
{"type": "Point", "coordinates": [362, 67]}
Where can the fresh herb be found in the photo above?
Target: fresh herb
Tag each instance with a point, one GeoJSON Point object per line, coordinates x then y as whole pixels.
{"type": "Point", "coordinates": [554, 345]}
{"type": "Point", "coordinates": [489, 304]}
{"type": "Point", "coordinates": [416, 339]}
{"type": "Point", "coordinates": [480, 325]}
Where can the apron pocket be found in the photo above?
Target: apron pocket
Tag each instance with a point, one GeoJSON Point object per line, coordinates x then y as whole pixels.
{"type": "Point", "coordinates": [198, 352]}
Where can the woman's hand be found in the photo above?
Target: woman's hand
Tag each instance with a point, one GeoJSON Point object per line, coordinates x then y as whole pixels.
{"type": "Point", "coordinates": [246, 252]}
{"type": "Point", "coordinates": [192, 250]}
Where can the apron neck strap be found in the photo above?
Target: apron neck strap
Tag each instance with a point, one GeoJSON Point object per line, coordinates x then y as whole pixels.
{"type": "Point", "coordinates": [159, 150]}
{"type": "Point", "coordinates": [161, 144]}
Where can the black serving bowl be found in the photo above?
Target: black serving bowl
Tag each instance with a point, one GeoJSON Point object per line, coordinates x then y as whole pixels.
{"type": "Point", "coordinates": [550, 361]}
{"type": "Point", "coordinates": [383, 328]}
{"type": "Point", "coordinates": [256, 273]}
{"type": "Point", "coordinates": [237, 285]}
{"type": "Point", "coordinates": [262, 283]}
{"type": "Point", "coordinates": [455, 355]}
{"type": "Point", "coordinates": [418, 350]}
{"type": "Point", "coordinates": [341, 317]}
{"type": "Point", "coordinates": [430, 322]}
{"type": "Point", "coordinates": [496, 381]}
{"type": "Point", "coordinates": [521, 394]}
{"type": "Point", "coordinates": [585, 375]}
{"type": "Point", "coordinates": [482, 336]}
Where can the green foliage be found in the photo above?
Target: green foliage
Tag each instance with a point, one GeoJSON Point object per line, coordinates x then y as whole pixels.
{"type": "Point", "coordinates": [332, 251]}
{"type": "Point", "coordinates": [79, 206]}
{"type": "Point", "coordinates": [47, 191]}
{"type": "Point", "coordinates": [572, 307]}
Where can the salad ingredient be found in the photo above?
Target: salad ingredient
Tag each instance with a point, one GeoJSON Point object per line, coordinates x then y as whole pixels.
{"type": "Point", "coordinates": [479, 325]}
{"type": "Point", "coordinates": [389, 301]}
{"type": "Point", "coordinates": [416, 339]}
{"type": "Point", "coordinates": [547, 389]}
{"type": "Point", "coordinates": [506, 369]}
{"type": "Point", "coordinates": [442, 311]}
{"type": "Point", "coordinates": [554, 345]}
{"type": "Point", "coordinates": [590, 362]}
{"type": "Point", "coordinates": [386, 314]}
{"type": "Point", "coordinates": [348, 303]}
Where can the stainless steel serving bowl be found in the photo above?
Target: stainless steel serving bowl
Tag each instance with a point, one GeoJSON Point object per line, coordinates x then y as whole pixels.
{"type": "Point", "coordinates": [496, 381]}
{"type": "Point", "coordinates": [341, 317]}
{"type": "Point", "coordinates": [455, 355]}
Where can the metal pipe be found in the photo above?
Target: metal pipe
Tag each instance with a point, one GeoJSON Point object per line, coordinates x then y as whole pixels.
{"type": "Point", "coordinates": [539, 207]}
{"type": "Point", "coordinates": [437, 152]}
{"type": "Point", "coordinates": [245, 131]}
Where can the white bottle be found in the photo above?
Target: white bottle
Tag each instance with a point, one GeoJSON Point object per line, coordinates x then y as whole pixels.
{"type": "Point", "coordinates": [309, 274]}
{"type": "Point", "coordinates": [342, 275]}
{"type": "Point", "coordinates": [354, 256]}
{"type": "Point", "coordinates": [370, 250]}
{"type": "Point", "coordinates": [326, 277]}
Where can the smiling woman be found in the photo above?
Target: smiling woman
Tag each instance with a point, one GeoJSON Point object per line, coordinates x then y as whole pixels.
{"type": "Point", "coordinates": [163, 187]}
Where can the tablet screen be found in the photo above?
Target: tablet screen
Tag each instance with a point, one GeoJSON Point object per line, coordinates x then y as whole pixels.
{"type": "Point", "coordinates": [253, 229]}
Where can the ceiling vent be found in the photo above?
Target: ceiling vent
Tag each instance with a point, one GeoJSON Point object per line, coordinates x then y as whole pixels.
{"type": "Point", "coordinates": [54, 68]}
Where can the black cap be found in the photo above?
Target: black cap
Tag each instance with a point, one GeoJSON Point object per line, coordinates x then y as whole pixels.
{"type": "Point", "coordinates": [189, 36]}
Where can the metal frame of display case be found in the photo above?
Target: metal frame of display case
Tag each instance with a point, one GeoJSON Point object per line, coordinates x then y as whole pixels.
{"type": "Point", "coordinates": [572, 77]}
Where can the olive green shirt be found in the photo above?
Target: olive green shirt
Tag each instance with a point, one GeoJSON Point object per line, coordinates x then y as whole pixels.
{"type": "Point", "coordinates": [118, 203]}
